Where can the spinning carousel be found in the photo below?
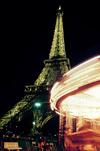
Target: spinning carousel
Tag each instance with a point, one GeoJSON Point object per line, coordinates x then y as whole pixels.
{"type": "Point", "coordinates": [76, 96]}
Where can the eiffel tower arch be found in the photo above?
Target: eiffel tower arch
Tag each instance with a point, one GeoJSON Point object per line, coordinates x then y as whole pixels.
{"type": "Point", "coordinates": [54, 68]}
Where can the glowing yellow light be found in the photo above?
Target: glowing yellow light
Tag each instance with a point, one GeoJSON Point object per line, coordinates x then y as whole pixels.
{"type": "Point", "coordinates": [84, 63]}
{"type": "Point", "coordinates": [53, 89]}
{"type": "Point", "coordinates": [95, 91]}
{"type": "Point", "coordinates": [52, 106]}
{"type": "Point", "coordinates": [83, 104]}
{"type": "Point", "coordinates": [86, 100]}
{"type": "Point", "coordinates": [58, 39]}
{"type": "Point", "coordinates": [59, 7]}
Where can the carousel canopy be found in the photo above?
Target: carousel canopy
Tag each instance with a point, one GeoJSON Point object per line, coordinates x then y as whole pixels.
{"type": "Point", "coordinates": [78, 91]}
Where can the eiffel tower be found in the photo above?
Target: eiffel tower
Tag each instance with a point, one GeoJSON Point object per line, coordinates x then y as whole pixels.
{"type": "Point", "coordinates": [54, 68]}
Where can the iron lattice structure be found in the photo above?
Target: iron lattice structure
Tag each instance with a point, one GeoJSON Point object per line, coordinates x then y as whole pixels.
{"type": "Point", "coordinates": [54, 68]}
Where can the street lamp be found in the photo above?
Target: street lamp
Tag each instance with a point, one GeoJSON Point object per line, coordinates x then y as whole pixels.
{"type": "Point", "coordinates": [39, 113]}
{"type": "Point", "coordinates": [33, 122]}
{"type": "Point", "coordinates": [36, 113]}
{"type": "Point", "coordinates": [37, 104]}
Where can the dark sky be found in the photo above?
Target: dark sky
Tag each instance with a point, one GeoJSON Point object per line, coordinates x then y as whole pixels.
{"type": "Point", "coordinates": [26, 33]}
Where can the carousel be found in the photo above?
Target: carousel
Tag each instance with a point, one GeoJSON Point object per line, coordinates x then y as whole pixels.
{"type": "Point", "coordinates": [76, 96]}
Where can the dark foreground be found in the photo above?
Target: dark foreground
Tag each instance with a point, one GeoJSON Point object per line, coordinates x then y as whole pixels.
{"type": "Point", "coordinates": [27, 145]}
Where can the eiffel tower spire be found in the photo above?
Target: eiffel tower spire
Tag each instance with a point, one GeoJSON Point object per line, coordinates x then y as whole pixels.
{"type": "Point", "coordinates": [57, 64]}
{"type": "Point", "coordinates": [58, 45]}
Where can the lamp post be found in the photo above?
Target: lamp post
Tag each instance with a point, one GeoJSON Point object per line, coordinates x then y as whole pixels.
{"type": "Point", "coordinates": [37, 104]}
{"type": "Point", "coordinates": [38, 115]}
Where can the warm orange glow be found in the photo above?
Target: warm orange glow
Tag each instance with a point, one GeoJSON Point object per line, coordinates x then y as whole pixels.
{"type": "Point", "coordinates": [78, 91]}
{"type": "Point", "coordinates": [85, 104]}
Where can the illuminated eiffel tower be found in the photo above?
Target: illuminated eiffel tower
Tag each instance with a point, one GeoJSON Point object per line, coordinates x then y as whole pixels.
{"type": "Point", "coordinates": [54, 68]}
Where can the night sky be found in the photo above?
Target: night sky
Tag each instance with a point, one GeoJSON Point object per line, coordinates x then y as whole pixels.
{"type": "Point", "coordinates": [26, 33]}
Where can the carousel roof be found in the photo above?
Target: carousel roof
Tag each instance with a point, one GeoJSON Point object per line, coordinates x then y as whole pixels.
{"type": "Point", "coordinates": [78, 91]}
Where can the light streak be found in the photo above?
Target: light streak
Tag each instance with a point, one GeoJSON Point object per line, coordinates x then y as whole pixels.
{"type": "Point", "coordinates": [67, 91]}
{"type": "Point", "coordinates": [85, 102]}
{"type": "Point", "coordinates": [84, 63]}
{"type": "Point", "coordinates": [59, 113]}
{"type": "Point", "coordinates": [86, 68]}
{"type": "Point", "coordinates": [71, 81]}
